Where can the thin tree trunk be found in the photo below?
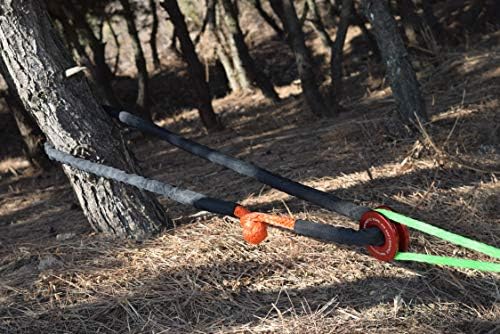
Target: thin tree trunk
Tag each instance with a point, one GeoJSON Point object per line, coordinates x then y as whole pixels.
{"type": "Point", "coordinates": [303, 15]}
{"type": "Point", "coordinates": [228, 66]}
{"type": "Point", "coordinates": [303, 58]}
{"type": "Point", "coordinates": [143, 100]}
{"type": "Point", "coordinates": [331, 12]}
{"type": "Point", "coordinates": [203, 24]}
{"type": "Point", "coordinates": [102, 76]}
{"type": "Point", "coordinates": [244, 64]}
{"type": "Point", "coordinates": [402, 78]}
{"type": "Point", "coordinates": [154, 34]}
{"type": "Point", "coordinates": [360, 22]}
{"type": "Point", "coordinates": [33, 137]}
{"type": "Point", "coordinates": [277, 8]}
{"type": "Point", "coordinates": [102, 71]}
{"type": "Point", "coordinates": [72, 39]}
{"type": "Point", "coordinates": [117, 45]}
{"type": "Point", "coordinates": [73, 121]}
{"type": "Point", "coordinates": [101, 88]}
{"type": "Point", "coordinates": [217, 40]}
{"type": "Point", "coordinates": [173, 43]}
{"type": "Point", "coordinates": [257, 4]}
{"type": "Point", "coordinates": [241, 74]}
{"type": "Point", "coordinates": [317, 22]}
{"type": "Point", "coordinates": [195, 67]}
{"type": "Point", "coordinates": [337, 55]}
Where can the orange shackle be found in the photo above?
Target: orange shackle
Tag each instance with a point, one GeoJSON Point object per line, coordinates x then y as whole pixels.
{"type": "Point", "coordinates": [254, 224]}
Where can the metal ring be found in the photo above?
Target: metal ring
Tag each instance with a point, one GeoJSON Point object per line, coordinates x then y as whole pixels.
{"type": "Point", "coordinates": [403, 232]}
{"type": "Point", "coordinates": [390, 248]}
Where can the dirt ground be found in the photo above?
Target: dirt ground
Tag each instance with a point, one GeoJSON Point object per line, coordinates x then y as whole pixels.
{"type": "Point", "coordinates": [57, 276]}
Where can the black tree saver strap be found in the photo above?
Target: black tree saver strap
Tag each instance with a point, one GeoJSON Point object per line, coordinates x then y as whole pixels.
{"type": "Point", "coordinates": [288, 186]}
{"type": "Point", "coordinates": [254, 223]}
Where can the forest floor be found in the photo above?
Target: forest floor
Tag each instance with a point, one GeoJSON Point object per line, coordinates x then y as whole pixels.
{"type": "Point", "coordinates": [57, 276]}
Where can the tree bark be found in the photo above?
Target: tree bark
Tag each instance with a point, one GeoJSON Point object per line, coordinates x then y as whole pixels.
{"type": "Point", "coordinates": [303, 59]}
{"type": "Point", "coordinates": [195, 67]}
{"type": "Point", "coordinates": [402, 78]}
{"type": "Point", "coordinates": [73, 121]}
{"type": "Point", "coordinates": [244, 64]}
{"type": "Point", "coordinates": [143, 100]}
{"type": "Point", "coordinates": [154, 34]}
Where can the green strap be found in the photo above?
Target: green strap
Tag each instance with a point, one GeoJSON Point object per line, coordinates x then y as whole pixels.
{"type": "Point", "coordinates": [449, 261]}
{"type": "Point", "coordinates": [447, 236]}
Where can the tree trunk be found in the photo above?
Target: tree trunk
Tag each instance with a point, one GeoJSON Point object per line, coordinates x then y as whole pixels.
{"type": "Point", "coordinates": [33, 137]}
{"type": "Point", "coordinates": [102, 75]}
{"type": "Point", "coordinates": [228, 66]}
{"type": "Point", "coordinates": [203, 24]}
{"type": "Point", "coordinates": [337, 54]}
{"type": "Point", "coordinates": [303, 59]}
{"type": "Point", "coordinates": [117, 45]}
{"type": "Point", "coordinates": [360, 22]}
{"type": "Point", "coordinates": [317, 22]}
{"type": "Point", "coordinates": [173, 43]}
{"type": "Point", "coordinates": [217, 41]}
{"type": "Point", "coordinates": [277, 7]}
{"type": "Point", "coordinates": [227, 39]}
{"type": "Point", "coordinates": [154, 33]}
{"type": "Point", "coordinates": [244, 64]}
{"type": "Point", "coordinates": [402, 78]}
{"type": "Point", "coordinates": [331, 12]}
{"type": "Point", "coordinates": [304, 14]}
{"type": "Point", "coordinates": [73, 120]}
{"type": "Point", "coordinates": [257, 4]}
{"type": "Point", "coordinates": [143, 101]}
{"type": "Point", "coordinates": [195, 67]}
{"type": "Point", "coordinates": [100, 87]}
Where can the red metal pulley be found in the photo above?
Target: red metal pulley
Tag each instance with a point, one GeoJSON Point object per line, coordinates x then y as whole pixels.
{"type": "Point", "coordinates": [403, 232]}
{"type": "Point", "coordinates": [390, 248]}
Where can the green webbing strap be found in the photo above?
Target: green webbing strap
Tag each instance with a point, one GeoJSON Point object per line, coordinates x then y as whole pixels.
{"type": "Point", "coordinates": [447, 236]}
{"type": "Point", "coordinates": [448, 261]}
